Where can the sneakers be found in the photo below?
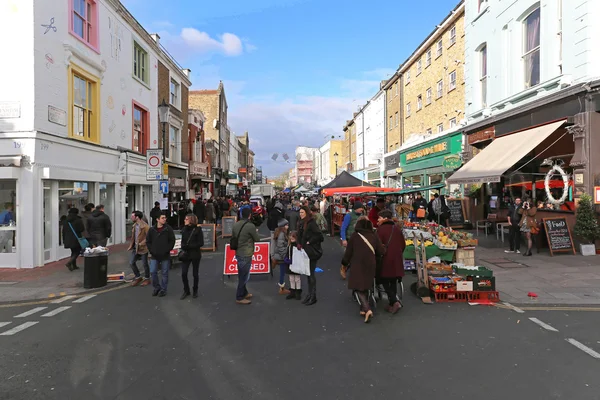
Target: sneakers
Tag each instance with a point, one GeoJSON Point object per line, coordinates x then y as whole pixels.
{"type": "Point", "coordinates": [155, 292]}
{"type": "Point", "coordinates": [248, 296]}
{"type": "Point", "coordinates": [517, 251]}
{"type": "Point", "coordinates": [136, 281]}
{"type": "Point", "coordinates": [145, 282]}
{"type": "Point", "coordinates": [508, 251]}
{"type": "Point", "coordinates": [244, 302]}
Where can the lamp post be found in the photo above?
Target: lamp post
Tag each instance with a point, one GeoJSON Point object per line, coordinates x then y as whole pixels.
{"type": "Point", "coordinates": [163, 117]}
{"type": "Point", "coordinates": [335, 158]}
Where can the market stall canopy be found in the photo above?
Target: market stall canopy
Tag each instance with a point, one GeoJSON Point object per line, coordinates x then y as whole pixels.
{"type": "Point", "coordinates": [358, 190]}
{"type": "Point", "coordinates": [502, 154]}
{"type": "Point", "coordinates": [345, 180]}
{"type": "Point", "coordinates": [301, 189]}
{"type": "Point", "coordinates": [541, 185]}
{"type": "Point", "coordinates": [387, 192]}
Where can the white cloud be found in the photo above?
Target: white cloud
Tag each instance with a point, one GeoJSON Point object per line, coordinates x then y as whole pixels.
{"type": "Point", "coordinates": [227, 43]}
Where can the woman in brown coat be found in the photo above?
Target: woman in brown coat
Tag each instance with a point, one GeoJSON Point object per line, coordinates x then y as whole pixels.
{"type": "Point", "coordinates": [392, 265]}
{"type": "Point", "coordinates": [362, 252]}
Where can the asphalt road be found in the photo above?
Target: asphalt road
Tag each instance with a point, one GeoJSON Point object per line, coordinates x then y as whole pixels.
{"type": "Point", "coordinates": [126, 344]}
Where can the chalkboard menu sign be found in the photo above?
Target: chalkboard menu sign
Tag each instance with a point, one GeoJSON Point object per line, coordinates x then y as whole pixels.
{"type": "Point", "coordinates": [227, 226]}
{"type": "Point", "coordinates": [558, 235]}
{"type": "Point", "coordinates": [209, 231]}
{"type": "Point", "coordinates": [457, 212]}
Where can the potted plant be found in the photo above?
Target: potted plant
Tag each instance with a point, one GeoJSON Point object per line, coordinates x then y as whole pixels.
{"type": "Point", "coordinates": [586, 225]}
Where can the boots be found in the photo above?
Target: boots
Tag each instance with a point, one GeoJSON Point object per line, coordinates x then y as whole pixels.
{"type": "Point", "coordinates": [282, 289]}
{"type": "Point", "coordinates": [309, 292]}
{"type": "Point", "coordinates": [528, 253]}
{"type": "Point", "coordinates": [298, 294]}
{"type": "Point", "coordinates": [312, 290]}
{"type": "Point", "coordinates": [291, 295]}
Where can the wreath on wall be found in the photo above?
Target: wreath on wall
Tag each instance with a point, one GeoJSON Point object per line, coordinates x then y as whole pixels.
{"type": "Point", "coordinates": [565, 177]}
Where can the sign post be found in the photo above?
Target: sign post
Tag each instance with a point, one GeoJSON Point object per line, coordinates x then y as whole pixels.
{"type": "Point", "coordinates": [164, 187]}
{"type": "Point", "coordinates": [261, 262]}
{"type": "Point", "coordinates": [154, 164]}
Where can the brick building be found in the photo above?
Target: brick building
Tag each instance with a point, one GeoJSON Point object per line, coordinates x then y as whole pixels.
{"type": "Point", "coordinates": [393, 94]}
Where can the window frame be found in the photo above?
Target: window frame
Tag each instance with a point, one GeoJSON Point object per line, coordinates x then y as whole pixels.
{"type": "Point", "coordinates": [176, 104]}
{"type": "Point", "coordinates": [429, 131]}
{"type": "Point", "coordinates": [483, 75]}
{"type": "Point", "coordinates": [391, 123]}
{"type": "Point", "coordinates": [452, 34]}
{"type": "Point", "coordinates": [88, 22]}
{"type": "Point", "coordinates": [145, 131]}
{"type": "Point", "coordinates": [174, 145]}
{"type": "Point", "coordinates": [428, 96]}
{"type": "Point", "coordinates": [145, 80]}
{"type": "Point", "coordinates": [440, 127]}
{"type": "Point", "coordinates": [419, 66]}
{"type": "Point", "coordinates": [530, 52]}
{"type": "Point", "coordinates": [408, 109]}
{"type": "Point", "coordinates": [439, 48]}
{"type": "Point", "coordinates": [439, 88]}
{"type": "Point", "coordinates": [419, 102]}
{"type": "Point", "coordinates": [93, 135]}
{"type": "Point", "coordinates": [397, 118]}
{"type": "Point", "coordinates": [397, 90]}
{"type": "Point", "coordinates": [407, 77]}
{"type": "Point", "coordinates": [428, 58]}
{"type": "Point", "coordinates": [451, 82]}
{"type": "Point", "coordinates": [453, 123]}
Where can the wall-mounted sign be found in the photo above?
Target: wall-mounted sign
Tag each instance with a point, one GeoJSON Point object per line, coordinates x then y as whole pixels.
{"type": "Point", "coordinates": [198, 169]}
{"type": "Point", "coordinates": [242, 170]}
{"type": "Point", "coordinates": [579, 179]}
{"type": "Point", "coordinates": [481, 136]}
{"type": "Point", "coordinates": [57, 116]}
{"type": "Point", "coordinates": [373, 175]}
{"type": "Point", "coordinates": [154, 164]}
{"type": "Point", "coordinates": [392, 162]}
{"type": "Point", "coordinates": [10, 109]}
{"type": "Point", "coordinates": [427, 151]}
{"type": "Point", "coordinates": [596, 194]}
{"type": "Point", "coordinates": [177, 185]}
{"type": "Point", "coordinates": [452, 162]}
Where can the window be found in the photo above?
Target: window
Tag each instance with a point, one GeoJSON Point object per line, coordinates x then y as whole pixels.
{"type": "Point", "coordinates": [174, 93]}
{"type": "Point", "coordinates": [428, 58]}
{"type": "Point", "coordinates": [140, 63]}
{"type": "Point", "coordinates": [440, 128]}
{"type": "Point", "coordinates": [84, 22]}
{"type": "Point", "coordinates": [452, 35]}
{"type": "Point", "coordinates": [452, 83]}
{"type": "Point", "coordinates": [419, 102]}
{"type": "Point", "coordinates": [353, 147]}
{"type": "Point", "coordinates": [407, 110]}
{"type": "Point", "coordinates": [174, 154]}
{"type": "Point", "coordinates": [440, 46]}
{"type": "Point", "coordinates": [141, 128]}
{"type": "Point", "coordinates": [396, 84]}
{"type": "Point", "coordinates": [452, 122]}
{"type": "Point", "coordinates": [440, 89]}
{"type": "Point", "coordinates": [429, 132]}
{"type": "Point", "coordinates": [396, 117]}
{"type": "Point", "coordinates": [531, 48]}
{"type": "Point", "coordinates": [419, 65]}
{"type": "Point", "coordinates": [428, 96]}
{"type": "Point", "coordinates": [407, 77]}
{"type": "Point", "coordinates": [84, 97]}
{"type": "Point", "coordinates": [391, 123]}
{"type": "Point", "coordinates": [483, 75]}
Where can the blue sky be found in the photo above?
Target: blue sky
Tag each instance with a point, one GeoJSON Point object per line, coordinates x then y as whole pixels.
{"type": "Point", "coordinates": [294, 70]}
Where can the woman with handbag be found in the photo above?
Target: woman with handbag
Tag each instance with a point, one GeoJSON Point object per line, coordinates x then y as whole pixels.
{"type": "Point", "coordinates": [363, 250]}
{"type": "Point", "coordinates": [310, 239]}
{"type": "Point", "coordinates": [72, 236]}
{"type": "Point", "coordinates": [528, 224]}
{"type": "Point", "coordinates": [392, 263]}
{"type": "Point", "coordinates": [192, 241]}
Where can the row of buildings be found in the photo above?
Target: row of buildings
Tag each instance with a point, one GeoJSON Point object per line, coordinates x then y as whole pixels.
{"type": "Point", "coordinates": [79, 114]}
{"type": "Point", "coordinates": [526, 70]}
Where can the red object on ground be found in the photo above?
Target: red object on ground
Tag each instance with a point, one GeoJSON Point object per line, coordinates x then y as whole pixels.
{"type": "Point", "coordinates": [261, 263]}
{"type": "Point", "coordinates": [531, 294]}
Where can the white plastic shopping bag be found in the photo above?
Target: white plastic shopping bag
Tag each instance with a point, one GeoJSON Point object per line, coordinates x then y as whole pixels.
{"type": "Point", "coordinates": [300, 262]}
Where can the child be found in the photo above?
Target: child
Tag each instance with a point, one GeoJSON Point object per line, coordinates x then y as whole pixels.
{"type": "Point", "coordinates": [295, 282]}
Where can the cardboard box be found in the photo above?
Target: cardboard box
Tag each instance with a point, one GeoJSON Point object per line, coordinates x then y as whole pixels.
{"type": "Point", "coordinates": [464, 286]}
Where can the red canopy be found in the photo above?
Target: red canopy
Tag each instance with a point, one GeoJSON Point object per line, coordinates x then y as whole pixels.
{"type": "Point", "coordinates": [355, 190]}
{"type": "Point", "coordinates": [540, 185]}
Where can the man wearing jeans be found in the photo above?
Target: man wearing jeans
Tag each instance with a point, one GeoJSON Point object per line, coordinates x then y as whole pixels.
{"type": "Point", "coordinates": [160, 241]}
{"type": "Point", "coordinates": [139, 249]}
{"type": "Point", "coordinates": [246, 234]}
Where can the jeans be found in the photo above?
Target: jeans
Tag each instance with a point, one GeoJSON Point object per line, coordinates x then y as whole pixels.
{"type": "Point", "coordinates": [164, 268]}
{"type": "Point", "coordinates": [282, 270]}
{"type": "Point", "coordinates": [244, 265]}
{"type": "Point", "coordinates": [185, 266]}
{"type": "Point", "coordinates": [514, 237]}
{"type": "Point", "coordinates": [134, 257]}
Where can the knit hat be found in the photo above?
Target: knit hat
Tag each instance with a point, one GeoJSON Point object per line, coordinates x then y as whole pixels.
{"type": "Point", "coordinates": [282, 223]}
{"type": "Point", "coordinates": [358, 205]}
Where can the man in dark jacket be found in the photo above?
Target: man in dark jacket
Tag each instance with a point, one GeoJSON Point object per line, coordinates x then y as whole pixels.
{"type": "Point", "coordinates": [514, 218]}
{"type": "Point", "coordinates": [99, 227]}
{"type": "Point", "coordinates": [160, 242]}
{"type": "Point", "coordinates": [85, 215]}
{"type": "Point", "coordinates": [419, 203]}
{"type": "Point", "coordinates": [199, 210]}
{"type": "Point", "coordinates": [246, 234]}
{"type": "Point", "coordinates": [275, 215]}
{"type": "Point", "coordinates": [72, 230]}
{"type": "Point", "coordinates": [155, 213]}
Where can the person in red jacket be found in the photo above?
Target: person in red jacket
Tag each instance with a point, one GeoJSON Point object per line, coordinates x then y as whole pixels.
{"type": "Point", "coordinates": [374, 213]}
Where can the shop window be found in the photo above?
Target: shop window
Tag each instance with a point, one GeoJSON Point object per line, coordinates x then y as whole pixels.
{"type": "Point", "coordinates": [531, 48]}
{"type": "Point", "coordinates": [84, 22]}
{"type": "Point", "coordinates": [140, 63]}
{"type": "Point", "coordinates": [71, 195]}
{"type": "Point", "coordinates": [8, 216]}
{"type": "Point", "coordinates": [141, 128]}
{"type": "Point", "coordinates": [84, 99]}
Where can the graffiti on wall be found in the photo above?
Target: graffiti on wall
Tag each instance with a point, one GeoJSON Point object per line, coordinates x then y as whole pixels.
{"type": "Point", "coordinates": [116, 37]}
{"type": "Point", "coordinates": [110, 103]}
{"type": "Point", "coordinates": [112, 127]}
{"type": "Point", "coordinates": [124, 109]}
{"type": "Point", "coordinates": [50, 26]}
{"type": "Point", "coordinates": [49, 60]}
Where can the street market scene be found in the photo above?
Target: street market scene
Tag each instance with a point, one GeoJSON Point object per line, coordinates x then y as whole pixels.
{"type": "Point", "coordinates": [245, 200]}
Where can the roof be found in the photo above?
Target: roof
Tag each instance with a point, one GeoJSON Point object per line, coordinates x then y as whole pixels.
{"type": "Point", "coordinates": [204, 91]}
{"type": "Point", "coordinates": [345, 179]}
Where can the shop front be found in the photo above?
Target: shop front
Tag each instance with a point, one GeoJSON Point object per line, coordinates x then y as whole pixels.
{"type": "Point", "coordinates": [177, 196]}
{"type": "Point", "coordinates": [391, 164]}
{"type": "Point", "coordinates": [232, 184]}
{"type": "Point", "coordinates": [374, 176]}
{"type": "Point", "coordinates": [139, 193]}
{"type": "Point", "coordinates": [200, 180]}
{"type": "Point", "coordinates": [426, 166]}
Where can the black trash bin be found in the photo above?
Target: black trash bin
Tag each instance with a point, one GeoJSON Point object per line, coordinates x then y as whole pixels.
{"type": "Point", "coordinates": [95, 270]}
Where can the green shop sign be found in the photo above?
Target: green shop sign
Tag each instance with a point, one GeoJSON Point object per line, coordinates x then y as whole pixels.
{"type": "Point", "coordinates": [373, 175]}
{"type": "Point", "coordinates": [452, 162]}
{"type": "Point", "coordinates": [433, 154]}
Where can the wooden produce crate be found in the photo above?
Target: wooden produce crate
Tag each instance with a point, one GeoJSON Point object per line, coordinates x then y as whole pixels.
{"type": "Point", "coordinates": [465, 256]}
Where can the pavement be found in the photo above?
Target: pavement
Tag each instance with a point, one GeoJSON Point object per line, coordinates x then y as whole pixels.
{"type": "Point", "coordinates": [125, 344]}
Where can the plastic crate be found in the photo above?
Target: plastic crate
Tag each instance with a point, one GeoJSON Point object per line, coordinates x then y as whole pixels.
{"type": "Point", "coordinates": [494, 297]}
{"type": "Point", "coordinates": [450, 297]}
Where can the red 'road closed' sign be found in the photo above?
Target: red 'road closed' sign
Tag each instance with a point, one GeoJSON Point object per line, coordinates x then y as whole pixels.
{"type": "Point", "coordinates": [261, 262]}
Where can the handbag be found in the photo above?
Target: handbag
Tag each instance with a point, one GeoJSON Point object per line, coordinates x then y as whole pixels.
{"type": "Point", "coordinates": [184, 255]}
{"type": "Point", "coordinates": [83, 242]}
{"type": "Point", "coordinates": [312, 252]}
{"type": "Point", "coordinates": [233, 243]}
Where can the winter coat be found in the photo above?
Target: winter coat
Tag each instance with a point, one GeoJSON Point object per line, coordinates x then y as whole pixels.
{"type": "Point", "coordinates": [321, 221]}
{"type": "Point", "coordinates": [69, 239]}
{"type": "Point", "coordinates": [155, 214]}
{"type": "Point", "coordinates": [85, 215]}
{"type": "Point", "coordinates": [392, 265]}
{"type": "Point", "coordinates": [280, 247]}
{"type": "Point", "coordinates": [293, 216]}
{"type": "Point", "coordinates": [274, 216]}
{"type": "Point", "coordinates": [160, 243]}
{"type": "Point", "coordinates": [528, 217]}
{"type": "Point", "coordinates": [363, 260]}
{"type": "Point", "coordinates": [192, 241]}
{"type": "Point", "coordinates": [141, 240]}
{"type": "Point", "coordinates": [99, 226]}
{"type": "Point", "coordinates": [199, 210]}
{"type": "Point", "coordinates": [310, 236]}
{"type": "Point", "coordinates": [210, 212]}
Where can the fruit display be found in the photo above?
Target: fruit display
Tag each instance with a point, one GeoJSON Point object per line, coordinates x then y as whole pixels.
{"type": "Point", "coordinates": [411, 242]}
{"type": "Point", "coordinates": [444, 238]}
{"type": "Point", "coordinates": [445, 241]}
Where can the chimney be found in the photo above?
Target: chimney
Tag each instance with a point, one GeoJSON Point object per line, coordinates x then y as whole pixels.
{"type": "Point", "coordinates": [187, 72]}
{"type": "Point", "coordinates": [156, 38]}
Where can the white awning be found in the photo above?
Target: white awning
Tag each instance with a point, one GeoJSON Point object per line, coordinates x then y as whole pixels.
{"type": "Point", "coordinates": [502, 154]}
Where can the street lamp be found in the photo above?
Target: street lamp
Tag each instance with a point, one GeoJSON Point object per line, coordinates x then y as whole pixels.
{"type": "Point", "coordinates": [335, 158]}
{"type": "Point", "coordinates": [163, 117]}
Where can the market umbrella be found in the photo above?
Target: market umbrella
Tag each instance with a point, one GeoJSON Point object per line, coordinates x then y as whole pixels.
{"type": "Point", "coordinates": [345, 180]}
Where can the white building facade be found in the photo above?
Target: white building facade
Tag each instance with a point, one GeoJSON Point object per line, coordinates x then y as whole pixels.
{"type": "Point", "coordinates": [78, 110]}
{"type": "Point", "coordinates": [322, 165]}
{"type": "Point", "coordinates": [234, 163]}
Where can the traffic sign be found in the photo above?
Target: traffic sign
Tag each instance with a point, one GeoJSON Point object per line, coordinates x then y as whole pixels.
{"type": "Point", "coordinates": [164, 187]}
{"type": "Point", "coordinates": [165, 171]}
{"type": "Point", "coordinates": [154, 164]}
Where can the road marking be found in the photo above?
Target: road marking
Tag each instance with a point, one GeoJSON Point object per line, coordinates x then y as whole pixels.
{"type": "Point", "coordinates": [58, 301]}
{"type": "Point", "coordinates": [30, 312]}
{"type": "Point", "coordinates": [19, 328]}
{"type": "Point", "coordinates": [84, 298]}
{"type": "Point", "coordinates": [583, 347]}
{"type": "Point", "coordinates": [4, 324]}
{"type": "Point", "coordinates": [563, 308]}
{"type": "Point", "coordinates": [517, 309]}
{"type": "Point", "coordinates": [543, 324]}
{"type": "Point", "coordinates": [56, 311]}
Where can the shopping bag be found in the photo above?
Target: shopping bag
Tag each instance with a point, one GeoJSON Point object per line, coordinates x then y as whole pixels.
{"type": "Point", "coordinates": [300, 262]}
{"type": "Point", "coordinates": [421, 213]}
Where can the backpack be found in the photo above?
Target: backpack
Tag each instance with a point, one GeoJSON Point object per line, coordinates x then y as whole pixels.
{"type": "Point", "coordinates": [234, 242]}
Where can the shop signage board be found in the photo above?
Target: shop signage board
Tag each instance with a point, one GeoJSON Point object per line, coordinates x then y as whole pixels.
{"type": "Point", "coordinates": [452, 162]}
{"type": "Point", "coordinates": [457, 212]}
{"type": "Point", "coordinates": [427, 151]}
{"type": "Point", "coordinates": [209, 232]}
{"type": "Point", "coordinates": [10, 109]}
{"type": "Point", "coordinates": [261, 263]}
{"type": "Point", "coordinates": [558, 235]}
{"type": "Point", "coordinates": [482, 136]}
{"type": "Point", "coordinates": [596, 194]}
{"type": "Point", "coordinates": [154, 164]}
{"type": "Point", "coordinates": [57, 116]}
{"type": "Point", "coordinates": [227, 226]}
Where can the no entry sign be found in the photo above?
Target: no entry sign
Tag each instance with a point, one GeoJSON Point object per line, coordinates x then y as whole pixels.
{"type": "Point", "coordinates": [261, 262]}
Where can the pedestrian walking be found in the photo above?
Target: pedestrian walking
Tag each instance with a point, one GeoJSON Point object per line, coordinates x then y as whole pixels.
{"type": "Point", "coordinates": [310, 239]}
{"type": "Point", "coordinates": [210, 212]}
{"type": "Point", "coordinates": [279, 251]}
{"type": "Point", "coordinates": [391, 266]}
{"type": "Point", "coordinates": [139, 249]}
{"type": "Point", "coordinates": [244, 235]}
{"type": "Point", "coordinates": [199, 209]}
{"type": "Point", "coordinates": [160, 241]}
{"type": "Point", "coordinates": [99, 227]}
{"type": "Point", "coordinates": [155, 213]}
{"type": "Point", "coordinates": [72, 230]}
{"type": "Point", "coordinates": [348, 228]}
{"type": "Point", "coordinates": [85, 215]}
{"type": "Point", "coordinates": [192, 241]}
